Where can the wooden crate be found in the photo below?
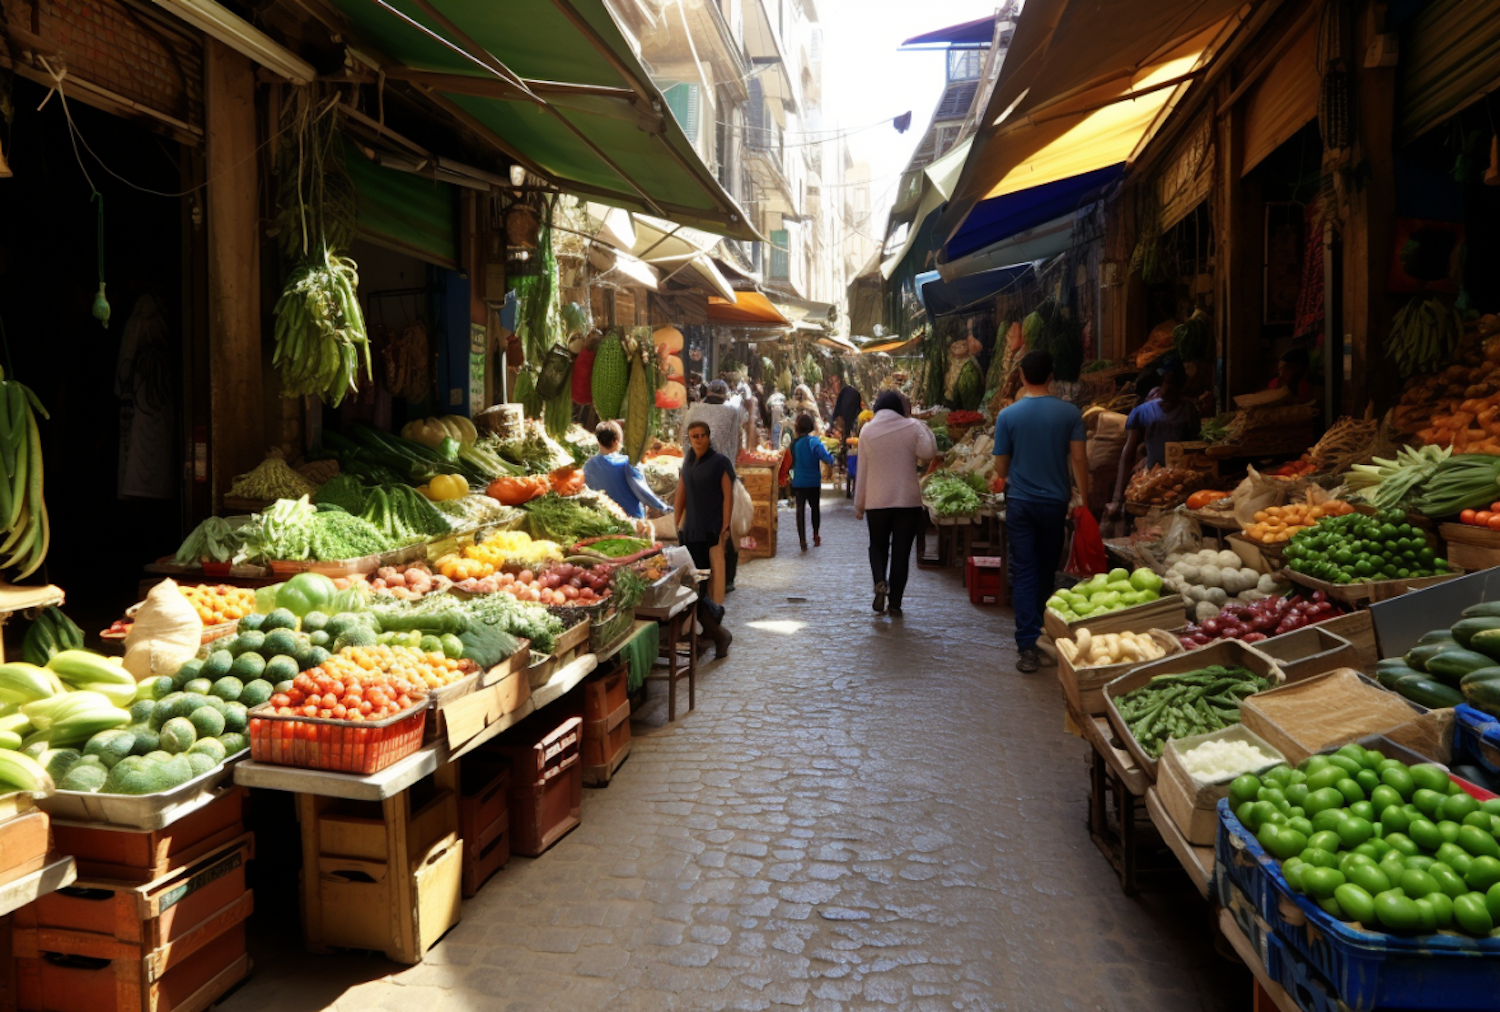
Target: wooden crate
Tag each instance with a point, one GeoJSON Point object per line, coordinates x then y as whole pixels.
{"type": "Point", "coordinates": [135, 856]}
{"type": "Point", "coordinates": [1083, 688]}
{"type": "Point", "coordinates": [1224, 652]}
{"type": "Point", "coordinates": [602, 695]}
{"type": "Point", "coordinates": [541, 814]}
{"type": "Point", "coordinates": [1165, 612]}
{"type": "Point", "coordinates": [24, 842]}
{"type": "Point", "coordinates": [1369, 592]}
{"type": "Point", "coordinates": [66, 982]}
{"type": "Point", "coordinates": [158, 924]}
{"type": "Point", "coordinates": [1192, 804]}
{"type": "Point", "coordinates": [483, 819]}
{"type": "Point", "coordinates": [602, 756]}
{"type": "Point", "coordinates": [490, 857]}
{"type": "Point", "coordinates": [466, 717]}
{"type": "Point", "coordinates": [1308, 651]}
{"type": "Point", "coordinates": [1471, 548]}
{"type": "Point", "coordinates": [382, 875]}
{"type": "Point", "coordinates": [1358, 628]}
{"type": "Point", "coordinates": [538, 751]}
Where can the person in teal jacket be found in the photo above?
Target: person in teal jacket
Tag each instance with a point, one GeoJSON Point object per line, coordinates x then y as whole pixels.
{"type": "Point", "coordinates": [808, 452]}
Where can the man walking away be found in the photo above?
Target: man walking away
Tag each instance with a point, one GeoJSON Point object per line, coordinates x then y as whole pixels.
{"type": "Point", "coordinates": [1036, 439]}
{"type": "Point", "coordinates": [726, 419]}
{"type": "Point", "coordinates": [846, 406]}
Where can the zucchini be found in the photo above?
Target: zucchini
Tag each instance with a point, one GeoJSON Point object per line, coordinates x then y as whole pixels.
{"type": "Point", "coordinates": [1455, 662]}
{"type": "Point", "coordinates": [1429, 692]}
{"type": "Point", "coordinates": [1464, 630]}
{"type": "Point", "coordinates": [1418, 656]}
{"type": "Point", "coordinates": [1388, 676]}
{"type": "Point", "coordinates": [1484, 609]}
{"type": "Point", "coordinates": [1486, 641]}
{"type": "Point", "coordinates": [1436, 636]}
{"type": "Point", "coordinates": [1482, 688]}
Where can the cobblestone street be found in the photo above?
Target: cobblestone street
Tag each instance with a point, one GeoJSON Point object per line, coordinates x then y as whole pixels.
{"type": "Point", "coordinates": [862, 812]}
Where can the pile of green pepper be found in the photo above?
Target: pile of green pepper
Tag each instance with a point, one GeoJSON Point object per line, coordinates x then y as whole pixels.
{"type": "Point", "coordinates": [1182, 705]}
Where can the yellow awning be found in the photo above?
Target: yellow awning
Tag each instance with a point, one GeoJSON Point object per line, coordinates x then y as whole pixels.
{"type": "Point", "coordinates": [1084, 85]}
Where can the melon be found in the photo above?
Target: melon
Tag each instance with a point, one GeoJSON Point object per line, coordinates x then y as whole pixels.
{"type": "Point", "coordinates": [672, 366]}
{"type": "Point", "coordinates": [609, 377]}
{"type": "Point", "coordinates": [668, 339]}
{"type": "Point", "coordinates": [672, 396]}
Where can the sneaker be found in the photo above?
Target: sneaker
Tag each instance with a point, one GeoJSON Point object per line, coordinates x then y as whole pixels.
{"type": "Point", "coordinates": [1030, 661]}
{"type": "Point", "coordinates": [880, 592]}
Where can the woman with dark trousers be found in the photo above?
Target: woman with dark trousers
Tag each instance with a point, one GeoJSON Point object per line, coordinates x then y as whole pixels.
{"type": "Point", "coordinates": [808, 452]}
{"type": "Point", "coordinates": [704, 502]}
{"type": "Point", "coordinates": [892, 449]}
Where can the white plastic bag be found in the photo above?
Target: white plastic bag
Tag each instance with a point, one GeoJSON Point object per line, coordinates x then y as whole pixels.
{"type": "Point", "coordinates": [742, 514]}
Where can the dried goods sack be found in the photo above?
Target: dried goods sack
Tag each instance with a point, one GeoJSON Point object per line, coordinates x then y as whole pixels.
{"type": "Point", "coordinates": [167, 633]}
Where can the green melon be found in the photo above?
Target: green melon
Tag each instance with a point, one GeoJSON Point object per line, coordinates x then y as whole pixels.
{"type": "Point", "coordinates": [280, 668]}
{"type": "Point", "coordinates": [201, 762]}
{"type": "Point", "coordinates": [236, 718]}
{"type": "Point", "coordinates": [281, 641]}
{"type": "Point", "coordinates": [256, 692]}
{"type": "Point", "coordinates": [233, 742]}
{"type": "Point", "coordinates": [611, 376]}
{"type": "Point", "coordinates": [178, 735]}
{"type": "Point", "coordinates": [207, 721]}
{"type": "Point", "coordinates": [228, 688]}
{"type": "Point", "coordinates": [217, 666]}
{"type": "Point", "coordinates": [210, 747]}
{"type": "Point", "coordinates": [199, 685]}
{"type": "Point", "coordinates": [248, 642]}
{"type": "Point", "coordinates": [279, 618]}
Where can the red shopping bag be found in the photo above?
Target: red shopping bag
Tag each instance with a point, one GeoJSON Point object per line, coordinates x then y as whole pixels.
{"type": "Point", "coordinates": [1087, 557]}
{"type": "Point", "coordinates": [784, 476]}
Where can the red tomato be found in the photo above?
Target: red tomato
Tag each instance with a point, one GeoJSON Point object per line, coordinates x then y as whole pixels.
{"type": "Point", "coordinates": [1482, 518]}
{"type": "Point", "coordinates": [1466, 517]}
{"type": "Point", "coordinates": [1494, 523]}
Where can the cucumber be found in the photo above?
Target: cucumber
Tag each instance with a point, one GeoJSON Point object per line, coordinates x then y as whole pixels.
{"type": "Point", "coordinates": [1388, 674]}
{"type": "Point", "coordinates": [1429, 692]}
{"type": "Point", "coordinates": [1418, 656]}
{"type": "Point", "coordinates": [1486, 641]}
{"type": "Point", "coordinates": [1464, 630]}
{"type": "Point", "coordinates": [1455, 662]}
{"type": "Point", "coordinates": [1484, 609]}
{"type": "Point", "coordinates": [1482, 689]}
{"type": "Point", "coordinates": [1436, 636]}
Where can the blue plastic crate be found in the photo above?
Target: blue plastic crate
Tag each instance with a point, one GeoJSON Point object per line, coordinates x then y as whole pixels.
{"type": "Point", "coordinates": [1367, 970]}
{"type": "Point", "coordinates": [1476, 738]}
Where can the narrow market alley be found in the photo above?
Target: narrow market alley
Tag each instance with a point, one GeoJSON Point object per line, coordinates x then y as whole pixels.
{"type": "Point", "coordinates": [861, 812]}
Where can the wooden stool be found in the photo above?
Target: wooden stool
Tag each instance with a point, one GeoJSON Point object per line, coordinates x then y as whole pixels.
{"type": "Point", "coordinates": [679, 647]}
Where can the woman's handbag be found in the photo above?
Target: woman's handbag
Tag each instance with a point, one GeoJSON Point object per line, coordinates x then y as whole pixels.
{"type": "Point", "coordinates": [742, 514]}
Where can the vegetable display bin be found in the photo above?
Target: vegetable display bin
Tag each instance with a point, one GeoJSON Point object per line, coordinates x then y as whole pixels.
{"type": "Point", "coordinates": [1083, 688]}
{"type": "Point", "coordinates": [339, 746]}
{"type": "Point", "coordinates": [1309, 651]}
{"type": "Point", "coordinates": [1477, 736]}
{"type": "Point", "coordinates": [1193, 803]}
{"type": "Point", "coordinates": [1227, 653]}
{"type": "Point", "coordinates": [1328, 709]}
{"type": "Point", "coordinates": [1166, 612]}
{"type": "Point", "coordinates": [1366, 970]}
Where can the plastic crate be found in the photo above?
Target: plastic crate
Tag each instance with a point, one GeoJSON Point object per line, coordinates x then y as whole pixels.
{"type": "Point", "coordinates": [340, 746]}
{"type": "Point", "coordinates": [1366, 970]}
{"type": "Point", "coordinates": [1476, 736]}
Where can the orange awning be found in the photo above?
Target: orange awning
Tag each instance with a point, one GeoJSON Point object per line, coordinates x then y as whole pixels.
{"type": "Point", "coordinates": [750, 309]}
{"type": "Point", "coordinates": [890, 347]}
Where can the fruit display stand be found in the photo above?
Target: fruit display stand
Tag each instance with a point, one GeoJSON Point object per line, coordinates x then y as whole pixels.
{"type": "Point", "coordinates": [384, 854]}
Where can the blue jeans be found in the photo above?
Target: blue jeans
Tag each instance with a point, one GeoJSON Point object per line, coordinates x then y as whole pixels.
{"type": "Point", "coordinates": [1034, 534]}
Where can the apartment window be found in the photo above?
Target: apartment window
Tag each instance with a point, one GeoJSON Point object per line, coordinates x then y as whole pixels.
{"type": "Point", "coordinates": [781, 261]}
{"type": "Point", "coordinates": [947, 136]}
{"type": "Point", "coordinates": [683, 100]}
{"type": "Point", "coordinates": [963, 65]}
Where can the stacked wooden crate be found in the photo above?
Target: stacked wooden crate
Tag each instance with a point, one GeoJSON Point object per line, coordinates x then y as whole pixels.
{"type": "Point", "coordinates": [483, 818]}
{"type": "Point", "coordinates": [760, 482]}
{"type": "Point", "coordinates": [546, 781]}
{"type": "Point", "coordinates": [606, 726]}
{"type": "Point", "coordinates": [155, 921]}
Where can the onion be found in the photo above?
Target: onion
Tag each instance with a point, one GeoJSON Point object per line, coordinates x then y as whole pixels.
{"type": "Point", "coordinates": [1212, 626]}
{"type": "Point", "coordinates": [1254, 637]}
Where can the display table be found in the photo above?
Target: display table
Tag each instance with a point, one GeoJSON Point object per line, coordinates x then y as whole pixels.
{"type": "Point", "coordinates": [679, 633]}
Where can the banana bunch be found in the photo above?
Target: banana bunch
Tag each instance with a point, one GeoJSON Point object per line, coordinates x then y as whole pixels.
{"type": "Point", "coordinates": [25, 532]}
{"type": "Point", "coordinates": [1424, 334]}
{"type": "Point", "coordinates": [320, 330]}
{"type": "Point", "coordinates": [51, 632]}
{"type": "Point", "coordinates": [1392, 480]}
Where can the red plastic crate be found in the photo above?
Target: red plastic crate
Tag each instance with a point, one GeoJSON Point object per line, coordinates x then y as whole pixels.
{"type": "Point", "coordinates": [341, 746]}
{"type": "Point", "coordinates": [986, 579]}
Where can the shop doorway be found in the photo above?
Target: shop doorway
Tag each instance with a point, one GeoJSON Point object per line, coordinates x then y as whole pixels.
{"type": "Point", "coordinates": [113, 448]}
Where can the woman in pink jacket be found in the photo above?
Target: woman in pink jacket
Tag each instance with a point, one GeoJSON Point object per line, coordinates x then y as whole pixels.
{"type": "Point", "coordinates": [892, 450]}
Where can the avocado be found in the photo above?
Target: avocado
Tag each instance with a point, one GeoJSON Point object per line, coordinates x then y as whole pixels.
{"type": "Point", "coordinates": [110, 746]}
{"type": "Point", "coordinates": [256, 692]}
{"type": "Point", "coordinates": [207, 721]}
{"type": "Point", "coordinates": [279, 618]}
{"type": "Point", "coordinates": [178, 735]}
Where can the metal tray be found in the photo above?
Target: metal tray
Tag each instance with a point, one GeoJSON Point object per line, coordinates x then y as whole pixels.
{"type": "Point", "coordinates": [142, 811]}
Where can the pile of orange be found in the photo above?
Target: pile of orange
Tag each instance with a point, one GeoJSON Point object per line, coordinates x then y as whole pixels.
{"type": "Point", "coordinates": [218, 603]}
{"type": "Point", "coordinates": [1276, 524]}
{"type": "Point", "coordinates": [1489, 518]}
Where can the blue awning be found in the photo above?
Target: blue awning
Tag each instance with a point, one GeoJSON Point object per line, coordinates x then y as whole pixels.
{"type": "Point", "coordinates": [940, 298]}
{"type": "Point", "coordinates": [999, 218]}
{"type": "Point", "coordinates": [976, 33]}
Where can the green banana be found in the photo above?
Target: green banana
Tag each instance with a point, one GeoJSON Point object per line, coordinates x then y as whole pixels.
{"type": "Point", "coordinates": [24, 683]}
{"type": "Point", "coordinates": [23, 773]}
{"type": "Point", "coordinates": [84, 667]}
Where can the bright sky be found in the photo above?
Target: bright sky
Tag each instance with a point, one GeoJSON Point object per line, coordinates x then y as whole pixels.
{"type": "Point", "coordinates": [866, 79]}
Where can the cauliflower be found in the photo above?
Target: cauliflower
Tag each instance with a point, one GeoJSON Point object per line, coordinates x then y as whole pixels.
{"type": "Point", "coordinates": [1229, 560]}
{"type": "Point", "coordinates": [1210, 576]}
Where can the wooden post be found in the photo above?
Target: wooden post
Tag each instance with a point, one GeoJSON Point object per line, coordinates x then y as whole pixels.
{"type": "Point", "coordinates": [237, 414]}
{"type": "Point", "coordinates": [1241, 240]}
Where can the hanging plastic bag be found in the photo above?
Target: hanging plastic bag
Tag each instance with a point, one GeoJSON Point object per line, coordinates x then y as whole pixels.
{"type": "Point", "coordinates": [1087, 557]}
{"type": "Point", "coordinates": [1258, 492]}
{"type": "Point", "coordinates": [742, 514]}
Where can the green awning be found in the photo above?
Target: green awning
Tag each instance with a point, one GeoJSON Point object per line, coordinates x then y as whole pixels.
{"type": "Point", "coordinates": [405, 211]}
{"type": "Point", "coordinates": [555, 86]}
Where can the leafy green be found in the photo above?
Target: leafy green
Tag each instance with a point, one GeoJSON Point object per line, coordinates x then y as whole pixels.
{"type": "Point", "coordinates": [950, 495]}
{"type": "Point", "coordinates": [553, 518]}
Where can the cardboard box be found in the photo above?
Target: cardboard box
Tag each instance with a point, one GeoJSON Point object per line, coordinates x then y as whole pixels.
{"type": "Point", "coordinates": [1083, 688]}
{"type": "Point", "coordinates": [1192, 803]}
{"type": "Point", "coordinates": [1324, 711]}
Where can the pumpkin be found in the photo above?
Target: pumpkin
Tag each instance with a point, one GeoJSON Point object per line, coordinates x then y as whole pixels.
{"type": "Point", "coordinates": [668, 339]}
{"type": "Point", "coordinates": [1200, 500]}
{"type": "Point", "coordinates": [671, 396]}
{"type": "Point", "coordinates": [672, 367]}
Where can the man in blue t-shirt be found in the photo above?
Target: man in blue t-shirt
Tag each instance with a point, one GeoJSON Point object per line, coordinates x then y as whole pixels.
{"type": "Point", "coordinates": [1037, 439]}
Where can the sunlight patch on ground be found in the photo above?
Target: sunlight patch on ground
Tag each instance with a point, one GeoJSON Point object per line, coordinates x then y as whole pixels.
{"type": "Point", "coordinates": [782, 627]}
